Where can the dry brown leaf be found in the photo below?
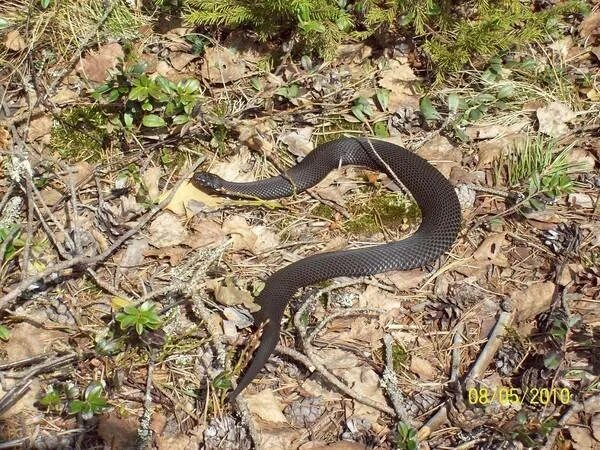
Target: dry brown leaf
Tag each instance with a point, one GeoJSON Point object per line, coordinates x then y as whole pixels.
{"type": "Point", "coordinates": [40, 127]}
{"type": "Point", "coordinates": [166, 230]}
{"type": "Point", "coordinates": [14, 41]}
{"type": "Point", "coordinates": [581, 200]}
{"type": "Point", "coordinates": [189, 199]}
{"type": "Point", "coordinates": [96, 64]}
{"type": "Point", "coordinates": [298, 142]}
{"type": "Point", "coordinates": [243, 238]}
{"type": "Point", "coordinates": [581, 438]}
{"type": "Point", "coordinates": [174, 254]}
{"type": "Point", "coordinates": [237, 168]}
{"type": "Point", "coordinates": [398, 78]}
{"type": "Point", "coordinates": [150, 178]}
{"type": "Point", "coordinates": [64, 96]}
{"type": "Point", "coordinates": [134, 254]}
{"type": "Point", "coordinates": [423, 368]}
{"type": "Point", "coordinates": [590, 28]}
{"type": "Point", "coordinates": [117, 432]}
{"type": "Point", "coordinates": [581, 159]}
{"type": "Point", "coordinates": [490, 250]}
{"type": "Point", "coordinates": [595, 426]}
{"type": "Point", "coordinates": [364, 381]}
{"type": "Point", "coordinates": [441, 153]}
{"type": "Point", "coordinates": [267, 240]}
{"type": "Point", "coordinates": [373, 297]}
{"type": "Point", "coordinates": [206, 232]}
{"type": "Point", "coordinates": [180, 59]}
{"type": "Point", "coordinates": [266, 406]}
{"type": "Point", "coordinates": [228, 294]}
{"type": "Point", "coordinates": [79, 172]}
{"type": "Point", "coordinates": [480, 132]}
{"type": "Point", "coordinates": [222, 66]}
{"type": "Point", "coordinates": [405, 280]}
{"type": "Point", "coordinates": [553, 119]}
{"type": "Point", "coordinates": [533, 300]}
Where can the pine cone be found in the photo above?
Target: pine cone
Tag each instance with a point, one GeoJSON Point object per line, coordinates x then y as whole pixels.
{"type": "Point", "coordinates": [305, 411]}
{"type": "Point", "coordinates": [225, 434]}
{"type": "Point", "coordinates": [588, 281]}
{"type": "Point", "coordinates": [509, 356]}
{"type": "Point", "coordinates": [422, 402]}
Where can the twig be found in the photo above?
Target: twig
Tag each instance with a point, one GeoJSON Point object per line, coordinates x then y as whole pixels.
{"type": "Point", "coordinates": [90, 261]}
{"type": "Point", "coordinates": [390, 380]}
{"type": "Point", "coordinates": [144, 431]}
{"type": "Point", "coordinates": [306, 342]}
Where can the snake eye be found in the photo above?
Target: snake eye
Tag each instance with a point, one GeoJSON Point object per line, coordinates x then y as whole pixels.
{"type": "Point", "coordinates": [207, 181]}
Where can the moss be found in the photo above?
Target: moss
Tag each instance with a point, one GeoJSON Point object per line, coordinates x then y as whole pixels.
{"type": "Point", "coordinates": [389, 210]}
{"type": "Point", "coordinates": [399, 357]}
{"type": "Point", "coordinates": [324, 211]}
{"type": "Point", "coordinates": [335, 129]}
{"type": "Point", "coordinates": [79, 134]}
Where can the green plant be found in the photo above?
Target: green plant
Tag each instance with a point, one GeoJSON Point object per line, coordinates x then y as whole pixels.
{"type": "Point", "coordinates": [318, 24]}
{"type": "Point", "coordinates": [16, 243]}
{"type": "Point", "coordinates": [536, 164]}
{"type": "Point", "coordinates": [4, 333]}
{"type": "Point", "coordinates": [93, 402]}
{"type": "Point", "coordinates": [405, 437]}
{"type": "Point", "coordinates": [143, 317]}
{"type": "Point", "coordinates": [79, 133]}
{"type": "Point", "coordinates": [52, 399]}
{"type": "Point", "coordinates": [145, 101]}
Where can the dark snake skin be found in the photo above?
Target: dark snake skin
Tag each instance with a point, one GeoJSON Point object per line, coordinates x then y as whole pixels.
{"type": "Point", "coordinates": [440, 211]}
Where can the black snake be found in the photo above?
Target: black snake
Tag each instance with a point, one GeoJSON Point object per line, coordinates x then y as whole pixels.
{"type": "Point", "coordinates": [435, 196]}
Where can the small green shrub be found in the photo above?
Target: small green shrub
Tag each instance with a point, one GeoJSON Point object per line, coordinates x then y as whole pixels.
{"type": "Point", "coordinates": [93, 402]}
{"type": "Point", "coordinates": [455, 33]}
{"type": "Point", "coordinates": [143, 317]}
{"type": "Point", "coordinates": [150, 102]}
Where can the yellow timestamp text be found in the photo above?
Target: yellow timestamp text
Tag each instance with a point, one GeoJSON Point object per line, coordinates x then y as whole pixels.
{"type": "Point", "coordinates": [508, 395]}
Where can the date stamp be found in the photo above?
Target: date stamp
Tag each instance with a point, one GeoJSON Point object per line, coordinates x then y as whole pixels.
{"type": "Point", "coordinates": [511, 396]}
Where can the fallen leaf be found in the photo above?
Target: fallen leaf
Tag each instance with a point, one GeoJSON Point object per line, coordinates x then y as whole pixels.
{"type": "Point", "coordinates": [533, 300]}
{"type": "Point", "coordinates": [553, 119]}
{"type": "Point", "coordinates": [267, 240]}
{"type": "Point", "coordinates": [490, 250]}
{"type": "Point", "coordinates": [14, 41]}
{"type": "Point", "coordinates": [441, 153]}
{"type": "Point", "coordinates": [151, 177]}
{"type": "Point", "coordinates": [581, 438]}
{"type": "Point", "coordinates": [266, 406]}
{"type": "Point", "coordinates": [595, 426]}
{"type": "Point", "coordinates": [298, 142]}
{"type": "Point", "coordinates": [222, 66]}
{"type": "Point", "coordinates": [237, 168]}
{"type": "Point", "coordinates": [166, 231]}
{"type": "Point", "coordinates": [423, 368]}
{"type": "Point", "coordinates": [243, 238]}
{"type": "Point", "coordinates": [562, 46]}
{"type": "Point", "coordinates": [237, 317]}
{"type": "Point", "coordinates": [40, 127]}
{"type": "Point", "coordinates": [398, 78]}
{"type": "Point", "coordinates": [117, 432]}
{"type": "Point", "coordinates": [581, 200]}
{"type": "Point", "coordinates": [355, 53]}
{"type": "Point", "coordinates": [581, 159]}
{"type": "Point", "coordinates": [405, 280]}
{"type": "Point", "coordinates": [64, 96]}
{"type": "Point", "coordinates": [134, 254]}
{"type": "Point", "coordinates": [590, 28]}
{"type": "Point", "coordinates": [228, 294]}
{"type": "Point", "coordinates": [180, 59]}
{"type": "Point", "coordinates": [96, 64]}
{"type": "Point", "coordinates": [189, 199]}
{"type": "Point", "coordinates": [480, 132]}
{"type": "Point", "coordinates": [174, 254]}
{"type": "Point", "coordinates": [206, 232]}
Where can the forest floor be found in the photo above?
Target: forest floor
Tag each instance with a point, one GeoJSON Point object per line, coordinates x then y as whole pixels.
{"type": "Point", "coordinates": [125, 292]}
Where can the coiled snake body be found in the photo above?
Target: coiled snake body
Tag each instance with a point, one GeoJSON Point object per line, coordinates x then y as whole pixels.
{"type": "Point", "coordinates": [435, 196]}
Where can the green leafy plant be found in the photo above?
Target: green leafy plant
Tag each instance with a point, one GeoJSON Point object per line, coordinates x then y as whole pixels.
{"type": "Point", "coordinates": [318, 24]}
{"type": "Point", "coordinates": [535, 166]}
{"type": "Point", "coordinates": [147, 101]}
{"type": "Point", "coordinates": [405, 437]}
{"type": "Point", "coordinates": [15, 244]}
{"type": "Point", "coordinates": [52, 399]}
{"type": "Point", "coordinates": [142, 318]}
{"type": "Point", "coordinates": [4, 333]}
{"type": "Point", "coordinates": [93, 402]}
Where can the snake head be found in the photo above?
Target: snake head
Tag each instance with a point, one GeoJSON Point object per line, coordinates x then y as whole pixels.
{"type": "Point", "coordinates": [207, 182]}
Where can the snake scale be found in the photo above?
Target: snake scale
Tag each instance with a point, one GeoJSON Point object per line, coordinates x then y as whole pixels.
{"type": "Point", "coordinates": [433, 193]}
